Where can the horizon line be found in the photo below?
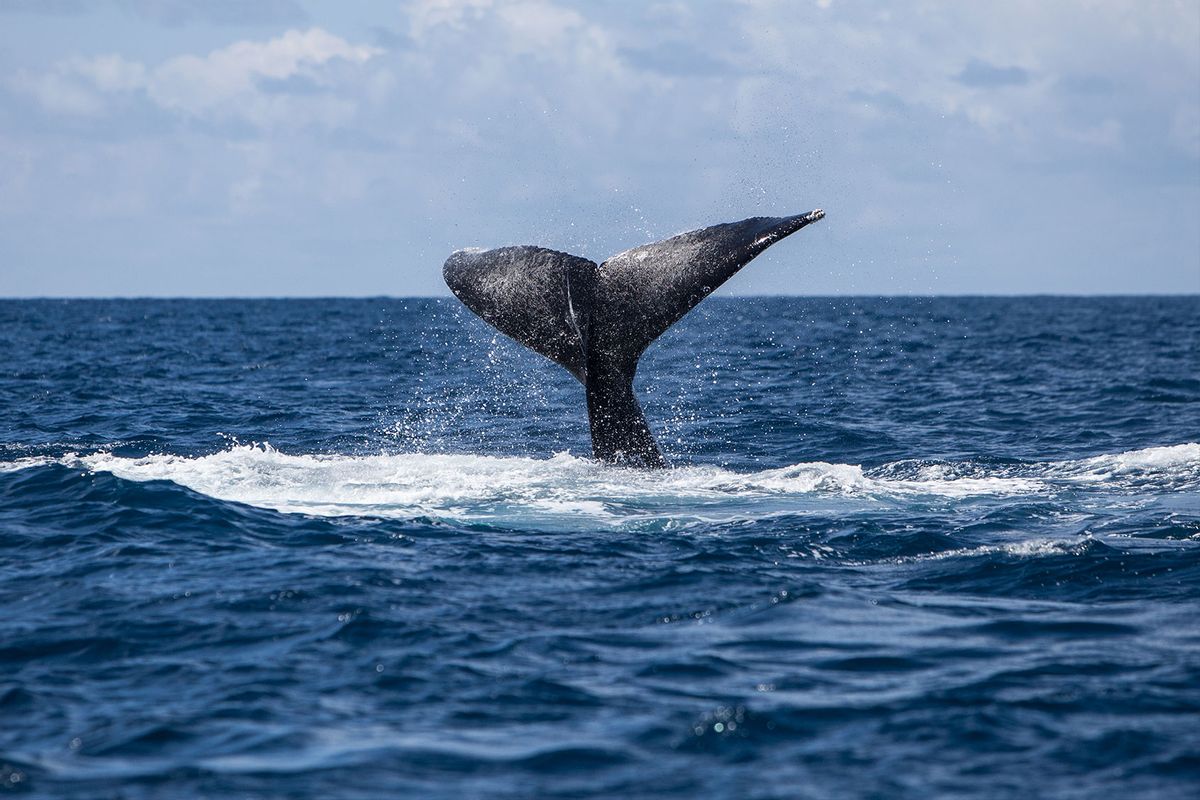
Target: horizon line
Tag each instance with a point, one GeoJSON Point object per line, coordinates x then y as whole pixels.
{"type": "Point", "coordinates": [758, 296]}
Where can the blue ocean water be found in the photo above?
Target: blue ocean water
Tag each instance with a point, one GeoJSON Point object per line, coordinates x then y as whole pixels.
{"type": "Point", "coordinates": [354, 548]}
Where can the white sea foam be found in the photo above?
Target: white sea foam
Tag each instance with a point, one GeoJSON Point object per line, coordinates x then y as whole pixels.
{"type": "Point", "coordinates": [468, 487]}
{"type": "Point", "coordinates": [1028, 548]}
{"type": "Point", "coordinates": [564, 490]}
{"type": "Point", "coordinates": [1181, 460]}
{"type": "Point", "coordinates": [26, 463]}
{"type": "Point", "coordinates": [569, 491]}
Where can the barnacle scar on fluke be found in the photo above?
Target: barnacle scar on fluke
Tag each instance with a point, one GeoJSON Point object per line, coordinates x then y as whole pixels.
{"type": "Point", "coordinates": [596, 320]}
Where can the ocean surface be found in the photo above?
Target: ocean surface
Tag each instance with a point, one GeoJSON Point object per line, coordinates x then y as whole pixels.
{"type": "Point", "coordinates": [910, 548]}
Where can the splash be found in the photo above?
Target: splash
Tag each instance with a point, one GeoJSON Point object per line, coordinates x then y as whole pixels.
{"type": "Point", "coordinates": [575, 492]}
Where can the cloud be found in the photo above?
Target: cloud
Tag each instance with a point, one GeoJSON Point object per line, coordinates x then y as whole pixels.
{"type": "Point", "coordinates": [982, 74]}
{"type": "Point", "coordinates": [1087, 85]}
{"type": "Point", "coordinates": [217, 12]}
{"type": "Point", "coordinates": [425, 15]}
{"type": "Point", "coordinates": [246, 80]}
{"type": "Point", "coordinates": [60, 92]}
{"type": "Point", "coordinates": [592, 126]}
{"type": "Point", "coordinates": [172, 12]}
{"type": "Point", "coordinates": [110, 73]}
{"type": "Point", "coordinates": [1105, 135]}
{"type": "Point", "coordinates": [48, 7]}
{"type": "Point", "coordinates": [1185, 130]}
{"type": "Point", "coordinates": [225, 82]}
{"type": "Point", "coordinates": [534, 25]}
{"type": "Point", "coordinates": [676, 59]}
{"type": "Point", "coordinates": [524, 75]}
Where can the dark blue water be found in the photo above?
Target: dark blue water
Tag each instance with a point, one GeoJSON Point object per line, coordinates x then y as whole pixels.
{"type": "Point", "coordinates": [354, 548]}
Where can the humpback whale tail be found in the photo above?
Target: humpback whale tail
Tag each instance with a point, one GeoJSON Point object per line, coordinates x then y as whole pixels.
{"type": "Point", "coordinates": [597, 320]}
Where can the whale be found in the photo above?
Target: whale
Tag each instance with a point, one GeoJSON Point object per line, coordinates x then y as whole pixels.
{"type": "Point", "coordinates": [596, 320]}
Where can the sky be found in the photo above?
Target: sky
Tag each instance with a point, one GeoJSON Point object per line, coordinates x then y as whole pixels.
{"type": "Point", "coordinates": [293, 148]}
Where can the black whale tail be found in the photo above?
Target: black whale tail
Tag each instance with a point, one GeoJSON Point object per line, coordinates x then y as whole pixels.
{"type": "Point", "coordinates": [597, 320]}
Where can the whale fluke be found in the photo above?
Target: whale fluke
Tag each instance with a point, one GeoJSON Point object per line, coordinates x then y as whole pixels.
{"type": "Point", "coordinates": [597, 320]}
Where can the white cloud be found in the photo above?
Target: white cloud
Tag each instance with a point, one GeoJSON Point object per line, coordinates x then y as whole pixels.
{"type": "Point", "coordinates": [425, 15]}
{"type": "Point", "coordinates": [225, 84]}
{"type": "Point", "coordinates": [109, 73]}
{"type": "Point", "coordinates": [591, 126]}
{"type": "Point", "coordinates": [60, 92]}
{"type": "Point", "coordinates": [1106, 135]}
{"type": "Point", "coordinates": [197, 84]}
{"type": "Point", "coordinates": [1185, 130]}
{"type": "Point", "coordinates": [921, 57]}
{"type": "Point", "coordinates": [535, 26]}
